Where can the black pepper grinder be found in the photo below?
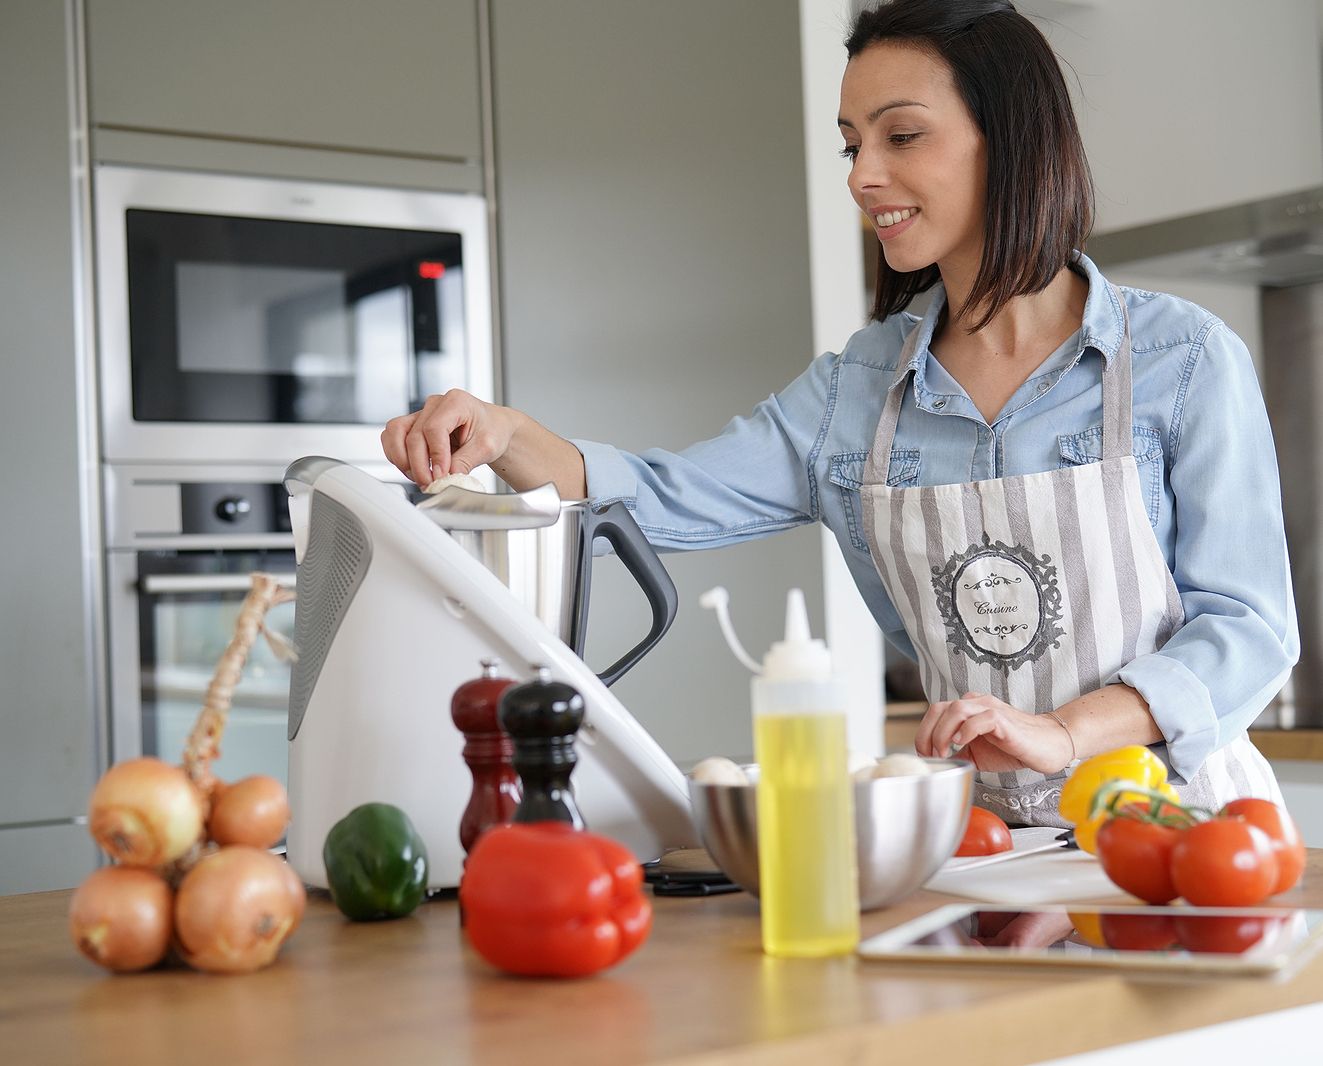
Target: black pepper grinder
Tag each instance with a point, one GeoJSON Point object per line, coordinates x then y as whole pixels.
{"type": "Point", "coordinates": [542, 717]}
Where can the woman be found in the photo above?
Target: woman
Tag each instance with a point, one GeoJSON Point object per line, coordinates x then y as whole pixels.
{"type": "Point", "coordinates": [1060, 497]}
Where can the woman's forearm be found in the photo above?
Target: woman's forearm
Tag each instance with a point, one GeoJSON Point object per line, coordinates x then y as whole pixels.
{"type": "Point", "coordinates": [536, 455]}
{"type": "Point", "coordinates": [1111, 717]}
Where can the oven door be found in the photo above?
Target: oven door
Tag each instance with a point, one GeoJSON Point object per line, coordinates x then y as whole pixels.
{"type": "Point", "coordinates": [172, 616]}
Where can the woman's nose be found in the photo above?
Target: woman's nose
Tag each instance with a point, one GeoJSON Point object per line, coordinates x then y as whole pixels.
{"type": "Point", "coordinates": [868, 172]}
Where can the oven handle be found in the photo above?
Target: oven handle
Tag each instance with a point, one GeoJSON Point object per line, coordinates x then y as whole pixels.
{"type": "Point", "coordinates": [179, 584]}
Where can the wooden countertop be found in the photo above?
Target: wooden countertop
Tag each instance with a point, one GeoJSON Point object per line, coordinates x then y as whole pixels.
{"type": "Point", "coordinates": [698, 992]}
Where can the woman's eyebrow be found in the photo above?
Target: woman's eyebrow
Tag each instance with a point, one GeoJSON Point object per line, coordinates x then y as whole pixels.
{"type": "Point", "coordinates": [877, 112]}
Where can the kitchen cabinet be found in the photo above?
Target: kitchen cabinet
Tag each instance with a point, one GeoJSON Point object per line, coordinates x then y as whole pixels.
{"type": "Point", "coordinates": [396, 79]}
{"type": "Point", "coordinates": [49, 702]}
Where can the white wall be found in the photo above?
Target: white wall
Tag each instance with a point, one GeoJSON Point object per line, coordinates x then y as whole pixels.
{"type": "Point", "coordinates": [836, 279]}
{"type": "Point", "coordinates": [1189, 105]}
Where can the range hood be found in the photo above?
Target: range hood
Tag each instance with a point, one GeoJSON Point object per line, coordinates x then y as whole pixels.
{"type": "Point", "coordinates": [1271, 243]}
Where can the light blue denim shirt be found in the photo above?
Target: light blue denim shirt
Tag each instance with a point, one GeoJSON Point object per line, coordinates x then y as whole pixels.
{"type": "Point", "coordinates": [1201, 439]}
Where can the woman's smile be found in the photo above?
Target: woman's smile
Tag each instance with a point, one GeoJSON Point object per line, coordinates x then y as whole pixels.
{"type": "Point", "coordinates": [891, 222]}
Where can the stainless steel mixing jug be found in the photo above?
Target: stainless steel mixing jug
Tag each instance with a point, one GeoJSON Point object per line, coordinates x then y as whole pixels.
{"type": "Point", "coordinates": [541, 547]}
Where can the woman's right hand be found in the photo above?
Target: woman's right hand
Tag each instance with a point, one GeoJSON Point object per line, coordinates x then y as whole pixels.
{"type": "Point", "coordinates": [454, 433]}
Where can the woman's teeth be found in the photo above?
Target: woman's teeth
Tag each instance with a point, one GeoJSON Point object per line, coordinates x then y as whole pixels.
{"type": "Point", "coordinates": [890, 218]}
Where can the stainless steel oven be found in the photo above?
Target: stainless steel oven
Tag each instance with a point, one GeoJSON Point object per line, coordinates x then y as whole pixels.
{"type": "Point", "coordinates": [183, 541]}
{"type": "Point", "coordinates": [258, 320]}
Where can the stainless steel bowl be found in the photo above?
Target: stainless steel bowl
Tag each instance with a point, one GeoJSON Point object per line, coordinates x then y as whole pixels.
{"type": "Point", "coordinates": [905, 828]}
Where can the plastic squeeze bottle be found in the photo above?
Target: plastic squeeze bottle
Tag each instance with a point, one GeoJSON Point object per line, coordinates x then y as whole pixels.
{"type": "Point", "coordinates": [807, 875]}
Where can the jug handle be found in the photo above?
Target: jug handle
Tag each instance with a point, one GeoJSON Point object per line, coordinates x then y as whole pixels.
{"type": "Point", "coordinates": [617, 525]}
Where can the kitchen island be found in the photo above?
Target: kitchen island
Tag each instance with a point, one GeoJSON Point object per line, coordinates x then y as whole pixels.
{"type": "Point", "coordinates": [699, 991]}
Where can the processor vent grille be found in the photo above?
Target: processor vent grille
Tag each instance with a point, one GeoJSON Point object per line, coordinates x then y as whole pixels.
{"type": "Point", "coordinates": [333, 567]}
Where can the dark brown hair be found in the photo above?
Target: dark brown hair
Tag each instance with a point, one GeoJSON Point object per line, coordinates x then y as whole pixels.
{"type": "Point", "coordinates": [1040, 192]}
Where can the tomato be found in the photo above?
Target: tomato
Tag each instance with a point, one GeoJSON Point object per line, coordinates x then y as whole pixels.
{"type": "Point", "coordinates": [1281, 830]}
{"type": "Point", "coordinates": [986, 834]}
{"type": "Point", "coordinates": [1225, 934]}
{"type": "Point", "coordinates": [1136, 855]}
{"type": "Point", "coordinates": [1223, 863]}
{"type": "Point", "coordinates": [1137, 932]}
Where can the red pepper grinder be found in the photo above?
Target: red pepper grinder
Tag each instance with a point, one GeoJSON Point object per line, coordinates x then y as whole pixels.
{"type": "Point", "coordinates": [488, 752]}
{"type": "Point", "coordinates": [542, 717]}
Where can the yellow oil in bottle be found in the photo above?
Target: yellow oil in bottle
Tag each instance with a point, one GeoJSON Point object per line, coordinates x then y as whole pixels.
{"type": "Point", "coordinates": [808, 884]}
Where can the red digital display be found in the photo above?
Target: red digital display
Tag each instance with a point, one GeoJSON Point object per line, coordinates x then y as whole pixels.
{"type": "Point", "coordinates": [430, 270]}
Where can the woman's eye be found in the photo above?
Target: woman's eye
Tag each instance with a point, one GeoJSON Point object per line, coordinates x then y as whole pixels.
{"type": "Point", "coordinates": [849, 152]}
{"type": "Point", "coordinates": [902, 138]}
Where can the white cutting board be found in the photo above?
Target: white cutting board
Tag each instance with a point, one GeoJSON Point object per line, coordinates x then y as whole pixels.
{"type": "Point", "coordinates": [1061, 876]}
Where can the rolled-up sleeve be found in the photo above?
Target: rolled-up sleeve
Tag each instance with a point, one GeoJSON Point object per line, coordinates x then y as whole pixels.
{"type": "Point", "coordinates": [1218, 672]}
{"type": "Point", "coordinates": [752, 479]}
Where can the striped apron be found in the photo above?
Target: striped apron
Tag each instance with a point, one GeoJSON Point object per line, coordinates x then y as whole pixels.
{"type": "Point", "coordinates": [1036, 589]}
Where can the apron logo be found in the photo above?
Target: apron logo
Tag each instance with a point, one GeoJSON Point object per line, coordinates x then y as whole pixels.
{"type": "Point", "coordinates": [1000, 603]}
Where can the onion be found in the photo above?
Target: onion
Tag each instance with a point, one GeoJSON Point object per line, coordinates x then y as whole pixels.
{"type": "Point", "coordinates": [120, 918]}
{"type": "Point", "coordinates": [252, 811]}
{"type": "Point", "coordinates": [145, 812]}
{"type": "Point", "coordinates": [235, 909]}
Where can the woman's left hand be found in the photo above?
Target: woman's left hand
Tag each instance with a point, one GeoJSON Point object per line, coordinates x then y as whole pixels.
{"type": "Point", "coordinates": [995, 735]}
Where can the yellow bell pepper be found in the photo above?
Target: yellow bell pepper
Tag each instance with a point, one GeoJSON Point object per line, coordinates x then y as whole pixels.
{"type": "Point", "coordinates": [1088, 924]}
{"type": "Point", "coordinates": [1132, 764]}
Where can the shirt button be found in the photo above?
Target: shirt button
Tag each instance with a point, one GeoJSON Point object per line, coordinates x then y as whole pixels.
{"type": "Point", "coordinates": [1043, 386]}
{"type": "Point", "coordinates": [938, 405]}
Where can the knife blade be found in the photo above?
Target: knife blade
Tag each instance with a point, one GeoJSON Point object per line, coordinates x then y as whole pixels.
{"type": "Point", "coordinates": [1064, 842]}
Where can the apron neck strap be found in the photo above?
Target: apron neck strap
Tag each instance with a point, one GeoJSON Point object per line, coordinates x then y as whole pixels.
{"type": "Point", "coordinates": [1117, 436]}
{"type": "Point", "coordinates": [879, 458]}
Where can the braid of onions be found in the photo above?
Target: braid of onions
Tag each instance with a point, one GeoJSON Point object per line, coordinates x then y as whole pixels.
{"type": "Point", "coordinates": [192, 871]}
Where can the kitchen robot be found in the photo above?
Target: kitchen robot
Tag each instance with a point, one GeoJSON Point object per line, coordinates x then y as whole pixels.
{"type": "Point", "coordinates": [398, 604]}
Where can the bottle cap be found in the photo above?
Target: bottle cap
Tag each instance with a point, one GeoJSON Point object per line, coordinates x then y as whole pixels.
{"type": "Point", "coordinates": [798, 657]}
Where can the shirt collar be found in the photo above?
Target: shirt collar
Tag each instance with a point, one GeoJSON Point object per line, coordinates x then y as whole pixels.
{"type": "Point", "coordinates": [1102, 329]}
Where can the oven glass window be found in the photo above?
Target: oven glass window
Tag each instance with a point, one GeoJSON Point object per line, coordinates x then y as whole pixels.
{"type": "Point", "coordinates": [262, 320]}
{"type": "Point", "coordinates": [184, 627]}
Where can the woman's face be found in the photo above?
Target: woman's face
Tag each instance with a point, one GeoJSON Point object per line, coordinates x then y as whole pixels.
{"type": "Point", "coordinates": [913, 147]}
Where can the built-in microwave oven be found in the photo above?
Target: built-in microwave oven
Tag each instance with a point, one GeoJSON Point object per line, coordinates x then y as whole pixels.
{"type": "Point", "coordinates": [258, 320]}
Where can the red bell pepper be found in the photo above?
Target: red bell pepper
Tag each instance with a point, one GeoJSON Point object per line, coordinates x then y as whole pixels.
{"type": "Point", "coordinates": [547, 900]}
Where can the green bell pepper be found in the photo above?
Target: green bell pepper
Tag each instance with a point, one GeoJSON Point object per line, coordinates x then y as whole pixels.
{"type": "Point", "coordinates": [376, 863]}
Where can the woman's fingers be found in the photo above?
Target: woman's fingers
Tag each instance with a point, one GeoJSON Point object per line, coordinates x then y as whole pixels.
{"type": "Point", "coordinates": [923, 738]}
{"type": "Point", "coordinates": [393, 440]}
{"type": "Point", "coordinates": [983, 722]}
{"type": "Point", "coordinates": [428, 443]}
{"type": "Point", "coordinates": [953, 732]}
{"type": "Point", "coordinates": [942, 722]}
{"type": "Point", "coordinates": [420, 444]}
{"type": "Point", "coordinates": [476, 447]}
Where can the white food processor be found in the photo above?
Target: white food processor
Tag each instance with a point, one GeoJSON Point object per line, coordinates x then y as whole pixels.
{"type": "Point", "coordinates": [399, 603]}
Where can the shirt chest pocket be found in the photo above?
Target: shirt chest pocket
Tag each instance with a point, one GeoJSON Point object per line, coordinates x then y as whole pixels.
{"type": "Point", "coordinates": [1078, 449]}
{"type": "Point", "coordinates": [846, 472]}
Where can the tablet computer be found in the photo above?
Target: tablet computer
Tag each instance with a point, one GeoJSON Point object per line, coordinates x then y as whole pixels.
{"type": "Point", "coordinates": [1189, 939]}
